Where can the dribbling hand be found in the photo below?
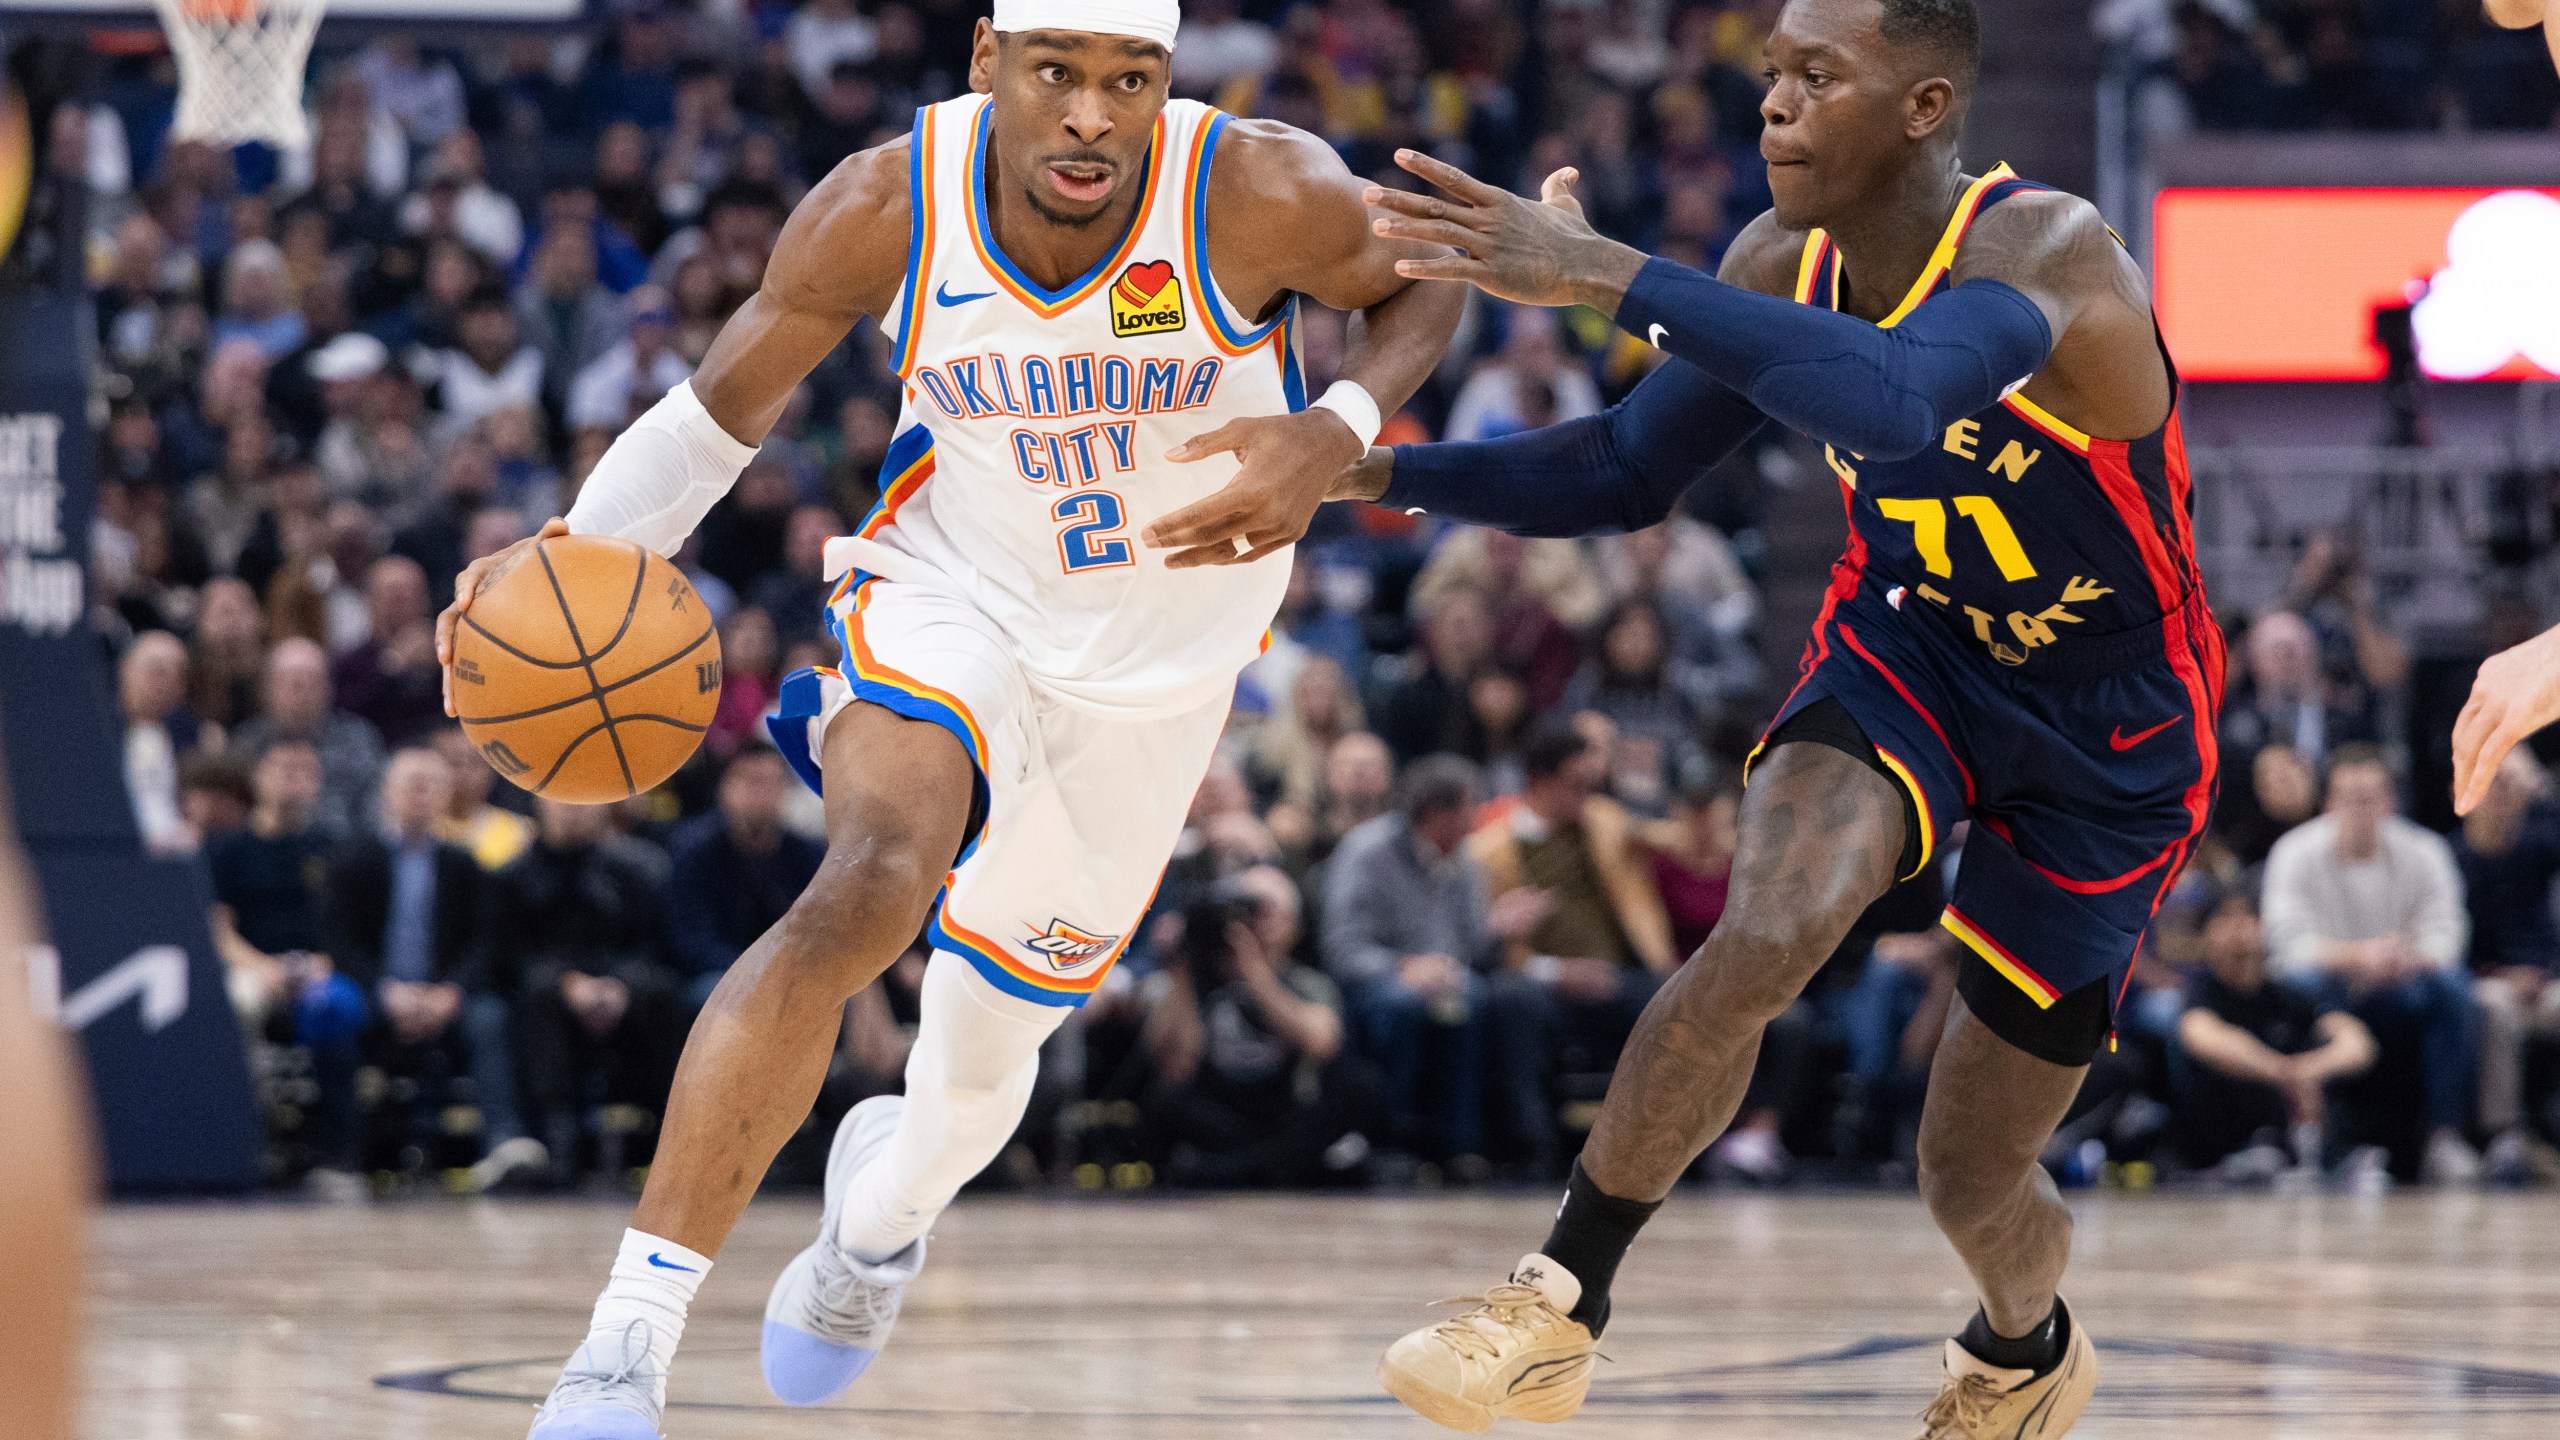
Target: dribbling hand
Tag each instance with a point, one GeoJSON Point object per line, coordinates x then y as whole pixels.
{"type": "Point", "coordinates": [466, 588]}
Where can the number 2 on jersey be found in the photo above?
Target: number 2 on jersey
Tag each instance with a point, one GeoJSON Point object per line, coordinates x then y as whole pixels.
{"type": "Point", "coordinates": [1087, 543]}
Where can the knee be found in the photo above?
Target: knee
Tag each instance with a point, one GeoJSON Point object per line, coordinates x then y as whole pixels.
{"type": "Point", "coordinates": [865, 905]}
{"type": "Point", "coordinates": [1960, 1190]}
{"type": "Point", "coordinates": [1756, 963]}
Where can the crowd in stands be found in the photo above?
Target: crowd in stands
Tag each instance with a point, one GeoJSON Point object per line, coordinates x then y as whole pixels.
{"type": "Point", "coordinates": [1476, 802]}
{"type": "Point", "coordinates": [2326, 65]}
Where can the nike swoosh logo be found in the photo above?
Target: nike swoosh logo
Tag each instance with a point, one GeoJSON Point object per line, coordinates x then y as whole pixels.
{"type": "Point", "coordinates": [664, 1263]}
{"type": "Point", "coordinates": [942, 295]}
{"type": "Point", "coordinates": [2123, 742]}
{"type": "Point", "coordinates": [1654, 335]}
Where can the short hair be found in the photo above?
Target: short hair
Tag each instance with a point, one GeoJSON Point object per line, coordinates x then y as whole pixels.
{"type": "Point", "coordinates": [220, 774]}
{"type": "Point", "coordinates": [1438, 784]}
{"type": "Point", "coordinates": [1949, 29]}
{"type": "Point", "coordinates": [1554, 746]}
{"type": "Point", "coordinates": [2357, 752]}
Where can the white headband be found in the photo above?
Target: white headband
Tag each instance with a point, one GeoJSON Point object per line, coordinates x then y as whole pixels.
{"type": "Point", "coordinates": [1153, 20]}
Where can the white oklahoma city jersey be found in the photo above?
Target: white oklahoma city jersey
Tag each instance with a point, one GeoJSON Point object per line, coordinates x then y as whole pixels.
{"type": "Point", "coordinates": [1030, 445]}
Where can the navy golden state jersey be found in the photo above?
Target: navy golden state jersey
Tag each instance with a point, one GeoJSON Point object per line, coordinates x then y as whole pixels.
{"type": "Point", "coordinates": [2020, 531]}
{"type": "Point", "coordinates": [2019, 632]}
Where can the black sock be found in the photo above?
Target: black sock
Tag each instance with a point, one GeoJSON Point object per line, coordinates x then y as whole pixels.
{"type": "Point", "coordinates": [2038, 1350]}
{"type": "Point", "coordinates": [1591, 1235]}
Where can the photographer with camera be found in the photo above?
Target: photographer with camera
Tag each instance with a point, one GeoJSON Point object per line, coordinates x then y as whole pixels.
{"type": "Point", "coordinates": [1252, 1086]}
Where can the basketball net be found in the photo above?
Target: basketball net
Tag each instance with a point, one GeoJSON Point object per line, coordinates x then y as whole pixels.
{"type": "Point", "coordinates": [240, 68]}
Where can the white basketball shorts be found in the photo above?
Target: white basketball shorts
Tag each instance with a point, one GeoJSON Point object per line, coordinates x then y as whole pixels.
{"type": "Point", "coordinates": [1081, 811]}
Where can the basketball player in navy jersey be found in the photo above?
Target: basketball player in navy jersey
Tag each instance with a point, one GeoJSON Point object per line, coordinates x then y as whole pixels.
{"type": "Point", "coordinates": [2016, 635]}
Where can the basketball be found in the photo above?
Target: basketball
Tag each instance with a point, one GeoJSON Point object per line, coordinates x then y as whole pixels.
{"type": "Point", "coordinates": [586, 670]}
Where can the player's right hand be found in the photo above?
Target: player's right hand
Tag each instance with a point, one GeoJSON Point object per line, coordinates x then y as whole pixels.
{"type": "Point", "coordinates": [466, 588]}
{"type": "Point", "coordinates": [2516, 693]}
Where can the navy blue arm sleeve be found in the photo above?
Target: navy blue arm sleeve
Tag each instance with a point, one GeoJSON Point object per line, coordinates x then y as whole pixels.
{"type": "Point", "coordinates": [1620, 470]}
{"type": "Point", "coordinates": [1884, 394]}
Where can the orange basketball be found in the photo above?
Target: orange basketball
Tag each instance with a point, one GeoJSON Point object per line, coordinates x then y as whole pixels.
{"type": "Point", "coordinates": [586, 669]}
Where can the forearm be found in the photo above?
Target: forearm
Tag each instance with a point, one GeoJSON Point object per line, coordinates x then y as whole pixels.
{"type": "Point", "coordinates": [1619, 471]}
{"type": "Point", "coordinates": [1881, 393]}
{"type": "Point", "coordinates": [661, 476]}
{"type": "Point", "coordinates": [2219, 1045]}
{"type": "Point", "coordinates": [1400, 340]}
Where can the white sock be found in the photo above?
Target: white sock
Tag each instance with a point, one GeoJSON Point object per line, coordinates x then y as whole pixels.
{"type": "Point", "coordinates": [653, 1280]}
{"type": "Point", "coordinates": [969, 1077]}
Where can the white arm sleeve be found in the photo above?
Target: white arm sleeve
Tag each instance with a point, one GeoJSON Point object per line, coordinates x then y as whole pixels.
{"type": "Point", "coordinates": [661, 476]}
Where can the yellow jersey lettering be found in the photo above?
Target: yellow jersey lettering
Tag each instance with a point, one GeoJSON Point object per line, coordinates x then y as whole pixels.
{"type": "Point", "coordinates": [2013, 461]}
{"type": "Point", "coordinates": [1840, 467]}
{"type": "Point", "coordinates": [1961, 437]}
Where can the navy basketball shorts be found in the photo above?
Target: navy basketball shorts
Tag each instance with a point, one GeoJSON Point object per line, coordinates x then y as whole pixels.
{"type": "Point", "coordinates": [2088, 775]}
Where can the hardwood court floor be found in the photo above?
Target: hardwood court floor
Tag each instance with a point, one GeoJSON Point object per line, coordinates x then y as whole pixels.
{"type": "Point", "coordinates": [1762, 1318]}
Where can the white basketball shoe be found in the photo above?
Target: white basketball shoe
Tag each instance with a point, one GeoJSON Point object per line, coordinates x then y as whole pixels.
{"type": "Point", "coordinates": [830, 1312]}
{"type": "Point", "coordinates": [610, 1390]}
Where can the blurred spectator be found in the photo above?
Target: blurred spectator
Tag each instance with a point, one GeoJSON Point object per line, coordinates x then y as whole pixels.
{"type": "Point", "coordinates": [1425, 709]}
{"type": "Point", "coordinates": [1493, 403]}
{"type": "Point", "coordinates": [736, 872]}
{"type": "Point", "coordinates": [2265, 1056]}
{"type": "Point", "coordinates": [1539, 592]}
{"type": "Point", "coordinates": [2282, 700]}
{"type": "Point", "coordinates": [1689, 572]}
{"type": "Point", "coordinates": [2509, 852]}
{"type": "Point", "coordinates": [390, 678]}
{"type": "Point", "coordinates": [494, 837]}
{"type": "Point", "coordinates": [1289, 751]}
{"type": "Point", "coordinates": [750, 679]}
{"type": "Point", "coordinates": [794, 597]}
{"type": "Point", "coordinates": [2366, 908]}
{"type": "Point", "coordinates": [566, 314]}
{"type": "Point", "coordinates": [456, 201]}
{"type": "Point", "coordinates": [1413, 939]}
{"type": "Point", "coordinates": [160, 729]}
{"type": "Point", "coordinates": [1601, 943]}
{"type": "Point", "coordinates": [1252, 1085]}
{"type": "Point", "coordinates": [1217, 45]}
{"type": "Point", "coordinates": [490, 367]}
{"type": "Point", "coordinates": [422, 92]}
{"type": "Point", "coordinates": [615, 388]}
{"type": "Point", "coordinates": [405, 909]}
{"type": "Point", "coordinates": [214, 795]}
{"type": "Point", "coordinates": [257, 301]}
{"type": "Point", "coordinates": [267, 924]}
{"type": "Point", "coordinates": [298, 708]}
{"type": "Point", "coordinates": [1655, 704]}
{"type": "Point", "coordinates": [823, 34]}
{"type": "Point", "coordinates": [575, 926]}
{"type": "Point", "coordinates": [1691, 856]}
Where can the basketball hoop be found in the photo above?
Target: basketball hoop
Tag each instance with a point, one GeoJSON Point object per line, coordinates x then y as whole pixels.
{"type": "Point", "coordinates": [240, 68]}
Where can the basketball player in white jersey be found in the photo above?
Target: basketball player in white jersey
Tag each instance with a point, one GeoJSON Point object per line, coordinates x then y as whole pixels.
{"type": "Point", "coordinates": [1092, 296]}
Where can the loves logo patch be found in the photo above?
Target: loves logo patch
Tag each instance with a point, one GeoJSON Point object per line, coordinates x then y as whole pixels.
{"type": "Point", "coordinates": [1145, 301]}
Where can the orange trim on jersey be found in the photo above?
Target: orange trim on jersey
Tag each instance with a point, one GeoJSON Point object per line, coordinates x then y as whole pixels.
{"type": "Point", "coordinates": [900, 491]}
{"type": "Point", "coordinates": [2015, 970]}
{"type": "Point", "coordinates": [1195, 267]}
{"type": "Point", "coordinates": [1102, 274]}
{"type": "Point", "coordinates": [920, 262]}
{"type": "Point", "coordinates": [857, 653]}
{"type": "Point", "coordinates": [1001, 955]}
{"type": "Point", "coordinates": [1944, 256]}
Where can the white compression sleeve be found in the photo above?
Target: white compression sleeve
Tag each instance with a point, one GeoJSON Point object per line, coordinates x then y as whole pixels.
{"type": "Point", "coordinates": [661, 476]}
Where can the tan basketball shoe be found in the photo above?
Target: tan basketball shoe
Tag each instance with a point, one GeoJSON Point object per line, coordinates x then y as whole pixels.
{"type": "Point", "coordinates": [1985, 1402]}
{"type": "Point", "coordinates": [1516, 1354]}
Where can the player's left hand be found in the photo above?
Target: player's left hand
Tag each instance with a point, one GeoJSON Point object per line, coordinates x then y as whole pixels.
{"type": "Point", "coordinates": [2516, 693]}
{"type": "Point", "coordinates": [1535, 252]}
{"type": "Point", "coordinates": [1290, 461]}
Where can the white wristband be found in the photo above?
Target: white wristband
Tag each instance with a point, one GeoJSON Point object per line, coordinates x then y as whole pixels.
{"type": "Point", "coordinates": [1357, 407]}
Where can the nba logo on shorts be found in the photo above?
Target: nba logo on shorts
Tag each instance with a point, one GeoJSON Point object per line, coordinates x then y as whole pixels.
{"type": "Point", "coordinates": [1068, 947]}
{"type": "Point", "coordinates": [1145, 301]}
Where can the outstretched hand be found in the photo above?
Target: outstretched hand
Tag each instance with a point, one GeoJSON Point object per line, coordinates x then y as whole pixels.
{"type": "Point", "coordinates": [1535, 252]}
{"type": "Point", "coordinates": [2516, 693]}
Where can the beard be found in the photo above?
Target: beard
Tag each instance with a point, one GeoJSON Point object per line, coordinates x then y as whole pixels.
{"type": "Point", "coordinates": [1060, 218]}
